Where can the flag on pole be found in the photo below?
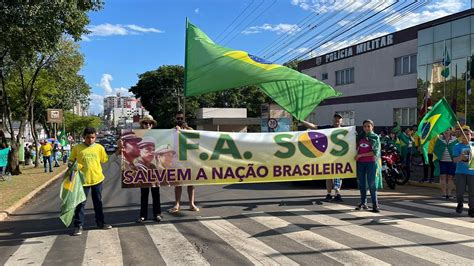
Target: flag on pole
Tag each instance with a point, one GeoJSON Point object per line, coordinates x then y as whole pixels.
{"type": "Point", "coordinates": [435, 122]}
{"type": "Point", "coordinates": [446, 62]}
{"type": "Point", "coordinates": [71, 193]}
{"type": "Point", "coordinates": [210, 67]}
{"type": "Point", "coordinates": [63, 138]}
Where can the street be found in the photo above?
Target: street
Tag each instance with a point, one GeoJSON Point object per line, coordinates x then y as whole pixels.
{"type": "Point", "coordinates": [278, 223]}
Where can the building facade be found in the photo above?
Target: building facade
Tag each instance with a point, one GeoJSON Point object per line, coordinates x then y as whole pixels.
{"type": "Point", "coordinates": [385, 79]}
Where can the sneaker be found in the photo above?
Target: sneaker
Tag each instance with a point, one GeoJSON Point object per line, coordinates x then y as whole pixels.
{"type": "Point", "coordinates": [337, 198]}
{"type": "Point", "coordinates": [104, 226]}
{"type": "Point", "coordinates": [158, 218]}
{"type": "Point", "coordinates": [471, 213]}
{"type": "Point", "coordinates": [375, 208]}
{"type": "Point", "coordinates": [77, 231]}
{"type": "Point", "coordinates": [459, 208]}
{"type": "Point", "coordinates": [328, 198]}
{"type": "Point", "coordinates": [361, 207]}
{"type": "Point", "coordinates": [140, 220]}
{"type": "Point", "coordinates": [45, 170]}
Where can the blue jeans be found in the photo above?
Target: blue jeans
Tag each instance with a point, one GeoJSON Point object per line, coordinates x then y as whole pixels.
{"type": "Point", "coordinates": [366, 175]}
{"type": "Point", "coordinates": [47, 159]}
{"type": "Point", "coordinates": [96, 200]}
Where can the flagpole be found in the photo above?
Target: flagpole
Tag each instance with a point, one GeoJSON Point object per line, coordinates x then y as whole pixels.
{"type": "Point", "coordinates": [185, 65]}
{"type": "Point", "coordinates": [465, 91]}
{"type": "Point", "coordinates": [444, 69]}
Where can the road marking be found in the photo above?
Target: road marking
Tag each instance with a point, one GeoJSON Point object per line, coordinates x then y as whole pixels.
{"type": "Point", "coordinates": [413, 227]}
{"type": "Point", "coordinates": [423, 206]}
{"type": "Point", "coordinates": [421, 215]}
{"type": "Point", "coordinates": [174, 248]}
{"type": "Point", "coordinates": [314, 241]}
{"type": "Point", "coordinates": [32, 251]}
{"type": "Point", "coordinates": [253, 249]}
{"type": "Point", "coordinates": [452, 205]}
{"type": "Point", "coordinates": [103, 248]}
{"type": "Point", "coordinates": [402, 245]}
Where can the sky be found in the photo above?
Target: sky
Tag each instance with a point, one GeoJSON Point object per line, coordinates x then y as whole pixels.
{"type": "Point", "coordinates": [130, 37]}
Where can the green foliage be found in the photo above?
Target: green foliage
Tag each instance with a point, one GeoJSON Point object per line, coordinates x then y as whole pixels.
{"type": "Point", "coordinates": [75, 124]}
{"type": "Point", "coordinates": [161, 90]}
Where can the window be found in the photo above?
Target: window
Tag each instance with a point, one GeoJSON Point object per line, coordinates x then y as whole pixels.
{"type": "Point", "coordinates": [348, 117]}
{"type": "Point", "coordinates": [325, 76]}
{"type": "Point", "coordinates": [405, 116]}
{"type": "Point", "coordinates": [405, 65]}
{"type": "Point", "coordinates": [345, 76]}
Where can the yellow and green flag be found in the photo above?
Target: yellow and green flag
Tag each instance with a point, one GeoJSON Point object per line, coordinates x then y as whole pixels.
{"type": "Point", "coordinates": [435, 122]}
{"type": "Point", "coordinates": [210, 67]}
{"type": "Point", "coordinates": [71, 193]}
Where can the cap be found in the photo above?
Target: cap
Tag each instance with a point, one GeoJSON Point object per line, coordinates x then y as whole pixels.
{"type": "Point", "coordinates": [164, 149]}
{"type": "Point", "coordinates": [130, 136]}
{"type": "Point", "coordinates": [146, 142]}
{"type": "Point", "coordinates": [148, 118]}
{"type": "Point", "coordinates": [338, 115]}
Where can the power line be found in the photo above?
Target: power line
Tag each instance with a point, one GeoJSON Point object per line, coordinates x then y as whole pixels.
{"type": "Point", "coordinates": [235, 19]}
{"type": "Point", "coordinates": [238, 25]}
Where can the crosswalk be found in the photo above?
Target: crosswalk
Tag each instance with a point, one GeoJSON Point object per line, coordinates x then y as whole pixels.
{"type": "Point", "coordinates": [405, 232]}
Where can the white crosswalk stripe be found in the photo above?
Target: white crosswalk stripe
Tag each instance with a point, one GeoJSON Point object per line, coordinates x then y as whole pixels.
{"type": "Point", "coordinates": [32, 251]}
{"type": "Point", "coordinates": [253, 249]}
{"type": "Point", "coordinates": [408, 247]}
{"type": "Point", "coordinates": [337, 251]}
{"type": "Point", "coordinates": [445, 220]}
{"type": "Point", "coordinates": [428, 207]}
{"type": "Point", "coordinates": [103, 248]}
{"type": "Point", "coordinates": [413, 227]}
{"type": "Point", "coordinates": [174, 248]}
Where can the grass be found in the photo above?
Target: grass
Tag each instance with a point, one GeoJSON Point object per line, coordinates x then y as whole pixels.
{"type": "Point", "coordinates": [19, 186]}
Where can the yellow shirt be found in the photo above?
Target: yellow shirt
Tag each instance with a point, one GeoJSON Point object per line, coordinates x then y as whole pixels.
{"type": "Point", "coordinates": [89, 159]}
{"type": "Point", "coordinates": [46, 149]}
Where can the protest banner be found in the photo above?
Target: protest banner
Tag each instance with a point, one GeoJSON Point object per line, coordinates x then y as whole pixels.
{"type": "Point", "coordinates": [4, 157]}
{"type": "Point", "coordinates": [191, 157]}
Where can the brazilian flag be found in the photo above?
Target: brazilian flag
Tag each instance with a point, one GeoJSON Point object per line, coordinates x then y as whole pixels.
{"type": "Point", "coordinates": [435, 122]}
{"type": "Point", "coordinates": [71, 193]}
{"type": "Point", "coordinates": [210, 68]}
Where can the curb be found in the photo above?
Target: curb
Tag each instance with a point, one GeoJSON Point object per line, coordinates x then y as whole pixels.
{"type": "Point", "coordinates": [418, 184]}
{"type": "Point", "coordinates": [4, 214]}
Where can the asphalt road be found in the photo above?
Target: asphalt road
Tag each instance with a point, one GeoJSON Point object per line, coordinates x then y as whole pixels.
{"type": "Point", "coordinates": [245, 224]}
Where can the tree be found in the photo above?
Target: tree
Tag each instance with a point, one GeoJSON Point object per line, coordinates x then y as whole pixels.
{"type": "Point", "coordinates": [161, 93]}
{"type": "Point", "coordinates": [75, 124]}
{"type": "Point", "coordinates": [31, 32]}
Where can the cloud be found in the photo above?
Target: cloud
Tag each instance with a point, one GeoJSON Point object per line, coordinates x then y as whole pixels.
{"type": "Point", "coordinates": [96, 103]}
{"type": "Point", "coordinates": [108, 29]}
{"type": "Point", "coordinates": [324, 6]}
{"type": "Point", "coordinates": [105, 83]}
{"type": "Point", "coordinates": [196, 10]}
{"type": "Point", "coordinates": [433, 11]}
{"type": "Point", "coordinates": [279, 29]}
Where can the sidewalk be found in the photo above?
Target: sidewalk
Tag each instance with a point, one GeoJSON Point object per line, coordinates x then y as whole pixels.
{"type": "Point", "coordinates": [18, 190]}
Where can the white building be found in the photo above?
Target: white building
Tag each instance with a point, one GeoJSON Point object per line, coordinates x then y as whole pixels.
{"type": "Point", "coordinates": [384, 79]}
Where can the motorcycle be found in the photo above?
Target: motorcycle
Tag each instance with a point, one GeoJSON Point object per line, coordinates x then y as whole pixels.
{"type": "Point", "coordinates": [393, 171]}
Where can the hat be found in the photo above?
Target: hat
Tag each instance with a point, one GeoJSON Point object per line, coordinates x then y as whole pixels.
{"type": "Point", "coordinates": [148, 118]}
{"type": "Point", "coordinates": [146, 142]}
{"type": "Point", "coordinates": [164, 149]}
{"type": "Point", "coordinates": [466, 128]}
{"type": "Point", "coordinates": [336, 114]}
{"type": "Point", "coordinates": [130, 136]}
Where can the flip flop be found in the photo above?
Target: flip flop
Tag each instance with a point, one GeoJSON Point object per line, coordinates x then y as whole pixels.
{"type": "Point", "coordinates": [173, 210]}
{"type": "Point", "coordinates": [194, 209]}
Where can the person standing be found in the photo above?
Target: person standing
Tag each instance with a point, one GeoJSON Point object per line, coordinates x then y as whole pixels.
{"type": "Point", "coordinates": [146, 151]}
{"type": "Point", "coordinates": [46, 150]}
{"type": "Point", "coordinates": [406, 143]}
{"type": "Point", "coordinates": [368, 165]}
{"type": "Point", "coordinates": [89, 157]}
{"type": "Point", "coordinates": [55, 153]}
{"type": "Point", "coordinates": [335, 183]}
{"type": "Point", "coordinates": [444, 165]}
{"type": "Point", "coordinates": [462, 154]}
{"type": "Point", "coordinates": [429, 166]}
{"type": "Point", "coordinates": [178, 190]}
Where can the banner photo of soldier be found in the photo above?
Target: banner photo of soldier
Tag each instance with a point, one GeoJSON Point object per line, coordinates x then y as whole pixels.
{"type": "Point", "coordinates": [210, 67]}
{"type": "Point", "coordinates": [166, 157]}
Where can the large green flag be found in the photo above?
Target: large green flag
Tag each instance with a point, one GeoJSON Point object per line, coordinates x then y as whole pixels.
{"type": "Point", "coordinates": [435, 122]}
{"type": "Point", "coordinates": [71, 194]}
{"type": "Point", "coordinates": [63, 138]}
{"type": "Point", "coordinates": [210, 68]}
